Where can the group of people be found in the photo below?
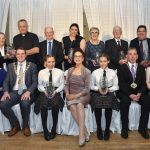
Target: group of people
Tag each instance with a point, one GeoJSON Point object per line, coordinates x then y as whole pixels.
{"type": "Point", "coordinates": [91, 72]}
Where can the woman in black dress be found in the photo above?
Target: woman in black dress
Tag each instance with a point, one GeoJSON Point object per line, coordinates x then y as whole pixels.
{"type": "Point", "coordinates": [50, 84]}
{"type": "Point", "coordinates": [71, 42]}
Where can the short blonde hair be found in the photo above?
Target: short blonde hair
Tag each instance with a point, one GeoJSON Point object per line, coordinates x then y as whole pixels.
{"type": "Point", "coordinates": [94, 28]}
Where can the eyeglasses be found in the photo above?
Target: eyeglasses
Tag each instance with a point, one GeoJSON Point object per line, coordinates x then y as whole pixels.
{"type": "Point", "coordinates": [94, 32]}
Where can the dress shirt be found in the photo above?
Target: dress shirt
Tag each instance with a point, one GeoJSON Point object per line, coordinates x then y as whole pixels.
{"type": "Point", "coordinates": [111, 76]}
{"type": "Point", "coordinates": [18, 68]}
{"type": "Point", "coordinates": [57, 79]}
{"type": "Point", "coordinates": [118, 40]}
{"type": "Point", "coordinates": [130, 66]}
{"type": "Point", "coordinates": [3, 54]}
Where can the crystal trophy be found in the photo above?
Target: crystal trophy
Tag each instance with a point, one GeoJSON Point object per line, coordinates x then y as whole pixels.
{"type": "Point", "coordinates": [70, 54]}
{"type": "Point", "coordinates": [103, 85]}
{"type": "Point", "coordinates": [10, 51]}
{"type": "Point", "coordinates": [145, 55]}
{"type": "Point", "coordinates": [97, 54]}
{"type": "Point", "coordinates": [50, 90]}
{"type": "Point", "coordinates": [121, 55]}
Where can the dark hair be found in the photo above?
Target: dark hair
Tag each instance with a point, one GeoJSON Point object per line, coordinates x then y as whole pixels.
{"type": "Point", "coordinates": [21, 48]}
{"type": "Point", "coordinates": [47, 56]}
{"type": "Point", "coordinates": [141, 26]}
{"type": "Point", "coordinates": [83, 55]}
{"type": "Point", "coordinates": [104, 55]}
{"type": "Point", "coordinates": [75, 25]}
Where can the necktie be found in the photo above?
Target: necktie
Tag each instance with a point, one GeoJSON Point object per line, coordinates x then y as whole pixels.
{"type": "Point", "coordinates": [132, 71]}
{"type": "Point", "coordinates": [118, 43]}
{"type": "Point", "coordinates": [104, 73]}
{"type": "Point", "coordinates": [49, 48]}
{"type": "Point", "coordinates": [141, 48]}
{"type": "Point", "coordinates": [50, 76]}
{"type": "Point", "coordinates": [20, 81]}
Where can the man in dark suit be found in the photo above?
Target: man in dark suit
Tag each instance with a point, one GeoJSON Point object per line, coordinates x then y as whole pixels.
{"type": "Point", "coordinates": [27, 40]}
{"type": "Point", "coordinates": [142, 44]}
{"type": "Point", "coordinates": [5, 58]}
{"type": "Point", "coordinates": [116, 48]}
{"type": "Point", "coordinates": [19, 86]}
{"type": "Point", "coordinates": [132, 87]}
{"type": "Point", "coordinates": [51, 47]}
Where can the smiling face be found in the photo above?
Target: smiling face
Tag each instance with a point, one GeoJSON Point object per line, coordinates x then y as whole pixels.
{"type": "Point", "coordinates": [20, 55]}
{"type": "Point", "coordinates": [50, 62]}
{"type": "Point", "coordinates": [23, 27]}
{"type": "Point", "coordinates": [117, 32]}
{"type": "Point", "coordinates": [94, 34]}
{"type": "Point", "coordinates": [132, 56]}
{"type": "Point", "coordinates": [49, 33]}
{"type": "Point", "coordinates": [74, 31]}
{"type": "Point", "coordinates": [141, 33]}
{"type": "Point", "coordinates": [78, 58]}
{"type": "Point", "coordinates": [2, 39]}
{"type": "Point", "coordinates": [103, 61]}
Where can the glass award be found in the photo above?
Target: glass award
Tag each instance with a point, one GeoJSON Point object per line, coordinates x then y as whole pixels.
{"type": "Point", "coordinates": [121, 55]}
{"type": "Point", "coordinates": [50, 90]}
{"type": "Point", "coordinates": [70, 54]}
{"type": "Point", "coordinates": [10, 51]}
{"type": "Point", "coordinates": [103, 85]}
{"type": "Point", "coordinates": [97, 54]}
{"type": "Point", "coordinates": [145, 55]}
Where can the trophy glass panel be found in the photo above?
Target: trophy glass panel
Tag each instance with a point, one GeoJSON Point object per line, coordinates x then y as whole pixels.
{"type": "Point", "coordinates": [97, 54]}
{"type": "Point", "coordinates": [70, 54]}
{"type": "Point", "coordinates": [50, 90]}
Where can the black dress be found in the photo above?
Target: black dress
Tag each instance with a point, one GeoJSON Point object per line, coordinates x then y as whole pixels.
{"type": "Point", "coordinates": [70, 44]}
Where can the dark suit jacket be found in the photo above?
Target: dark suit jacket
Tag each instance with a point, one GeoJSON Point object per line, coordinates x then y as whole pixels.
{"type": "Point", "coordinates": [135, 43]}
{"type": "Point", "coordinates": [2, 60]}
{"type": "Point", "coordinates": [30, 78]}
{"type": "Point", "coordinates": [125, 80]}
{"type": "Point", "coordinates": [112, 49]}
{"type": "Point", "coordinates": [57, 52]}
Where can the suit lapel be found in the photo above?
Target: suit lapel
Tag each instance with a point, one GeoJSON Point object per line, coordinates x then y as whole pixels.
{"type": "Point", "coordinates": [44, 48]}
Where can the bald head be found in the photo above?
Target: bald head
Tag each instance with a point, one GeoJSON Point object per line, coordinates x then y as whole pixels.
{"type": "Point", "coordinates": [117, 31]}
{"type": "Point", "coordinates": [49, 33]}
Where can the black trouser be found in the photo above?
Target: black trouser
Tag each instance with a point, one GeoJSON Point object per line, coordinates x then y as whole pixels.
{"type": "Point", "coordinates": [6, 109]}
{"type": "Point", "coordinates": [98, 115]}
{"type": "Point", "coordinates": [44, 114]}
{"type": "Point", "coordinates": [124, 110]}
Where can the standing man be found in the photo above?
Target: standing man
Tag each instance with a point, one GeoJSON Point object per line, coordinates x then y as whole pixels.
{"type": "Point", "coordinates": [142, 44]}
{"type": "Point", "coordinates": [132, 87]}
{"type": "Point", "coordinates": [116, 48]}
{"type": "Point", "coordinates": [27, 40]}
{"type": "Point", "coordinates": [19, 86]}
{"type": "Point", "coordinates": [50, 46]}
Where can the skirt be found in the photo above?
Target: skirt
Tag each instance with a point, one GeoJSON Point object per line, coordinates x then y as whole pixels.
{"type": "Point", "coordinates": [108, 101]}
{"type": "Point", "coordinates": [44, 102]}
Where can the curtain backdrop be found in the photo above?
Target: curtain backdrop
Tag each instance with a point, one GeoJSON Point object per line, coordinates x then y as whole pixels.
{"type": "Point", "coordinates": [105, 14]}
{"type": "Point", "coordinates": [40, 13]}
{"type": "Point", "coordinates": [4, 8]}
{"type": "Point", "coordinates": [61, 13]}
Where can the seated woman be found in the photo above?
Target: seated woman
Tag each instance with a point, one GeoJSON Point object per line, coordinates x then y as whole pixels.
{"type": "Point", "coordinates": [77, 90]}
{"type": "Point", "coordinates": [50, 84]}
{"type": "Point", "coordinates": [104, 84]}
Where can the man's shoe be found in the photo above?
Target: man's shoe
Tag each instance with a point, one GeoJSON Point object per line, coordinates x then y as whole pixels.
{"type": "Point", "coordinates": [26, 131]}
{"type": "Point", "coordinates": [144, 133]}
{"type": "Point", "coordinates": [124, 134]}
{"type": "Point", "coordinates": [14, 130]}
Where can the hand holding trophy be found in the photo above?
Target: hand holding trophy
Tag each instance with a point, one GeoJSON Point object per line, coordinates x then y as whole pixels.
{"type": "Point", "coordinates": [103, 89]}
{"type": "Point", "coordinates": [11, 53]}
{"type": "Point", "coordinates": [70, 55]}
{"type": "Point", "coordinates": [50, 90]}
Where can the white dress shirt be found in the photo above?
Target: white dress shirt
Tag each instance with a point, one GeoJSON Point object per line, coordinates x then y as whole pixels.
{"type": "Point", "coordinates": [130, 66]}
{"type": "Point", "coordinates": [57, 79]}
{"type": "Point", "coordinates": [118, 40]}
{"type": "Point", "coordinates": [17, 79]}
{"type": "Point", "coordinates": [48, 45]}
{"type": "Point", "coordinates": [111, 76]}
{"type": "Point", "coordinates": [3, 54]}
